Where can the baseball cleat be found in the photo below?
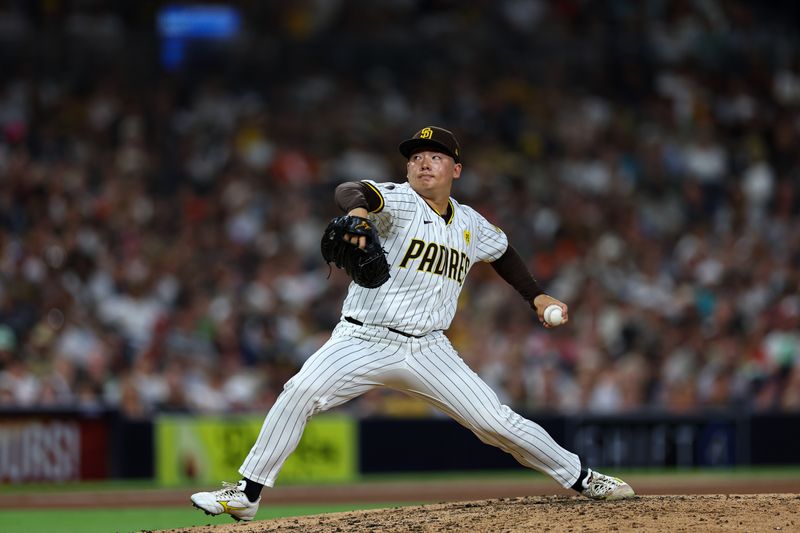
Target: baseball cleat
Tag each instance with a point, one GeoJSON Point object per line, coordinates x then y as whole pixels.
{"type": "Point", "coordinates": [229, 499]}
{"type": "Point", "coordinates": [599, 486]}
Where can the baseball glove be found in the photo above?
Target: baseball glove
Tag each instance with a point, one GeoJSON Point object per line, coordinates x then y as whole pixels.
{"type": "Point", "coordinates": [368, 267]}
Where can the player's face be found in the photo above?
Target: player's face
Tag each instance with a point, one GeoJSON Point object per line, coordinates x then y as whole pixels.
{"type": "Point", "coordinates": [432, 173]}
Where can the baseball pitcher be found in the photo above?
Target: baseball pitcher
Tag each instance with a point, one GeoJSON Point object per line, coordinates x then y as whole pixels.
{"type": "Point", "coordinates": [408, 247]}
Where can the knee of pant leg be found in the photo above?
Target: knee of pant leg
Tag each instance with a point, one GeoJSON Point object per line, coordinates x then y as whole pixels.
{"type": "Point", "coordinates": [294, 382]}
{"type": "Point", "coordinates": [495, 421]}
{"type": "Point", "coordinates": [299, 388]}
{"type": "Point", "coordinates": [297, 391]}
{"type": "Point", "coordinates": [320, 404]}
{"type": "Point", "coordinates": [493, 430]}
{"type": "Point", "coordinates": [486, 423]}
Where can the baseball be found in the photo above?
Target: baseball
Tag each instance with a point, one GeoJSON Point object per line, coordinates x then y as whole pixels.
{"type": "Point", "coordinates": [552, 315]}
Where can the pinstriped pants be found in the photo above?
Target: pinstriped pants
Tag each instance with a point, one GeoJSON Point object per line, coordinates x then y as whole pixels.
{"type": "Point", "coordinates": [357, 359]}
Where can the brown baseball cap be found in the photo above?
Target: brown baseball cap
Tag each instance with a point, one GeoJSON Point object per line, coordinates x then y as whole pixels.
{"type": "Point", "coordinates": [439, 139]}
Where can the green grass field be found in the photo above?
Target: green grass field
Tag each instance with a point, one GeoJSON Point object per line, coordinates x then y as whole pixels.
{"type": "Point", "coordinates": [126, 520]}
{"type": "Point", "coordinates": [154, 518]}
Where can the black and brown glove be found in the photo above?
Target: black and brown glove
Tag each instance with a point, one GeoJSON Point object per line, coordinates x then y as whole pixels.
{"type": "Point", "coordinates": [368, 266]}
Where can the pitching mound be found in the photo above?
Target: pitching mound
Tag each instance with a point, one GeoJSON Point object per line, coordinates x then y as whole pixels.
{"type": "Point", "coordinates": [750, 512]}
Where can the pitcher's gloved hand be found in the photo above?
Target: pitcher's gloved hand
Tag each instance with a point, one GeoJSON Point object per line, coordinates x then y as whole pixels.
{"type": "Point", "coordinates": [368, 266]}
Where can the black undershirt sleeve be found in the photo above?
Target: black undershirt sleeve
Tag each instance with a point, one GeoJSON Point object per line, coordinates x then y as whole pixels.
{"type": "Point", "coordinates": [511, 268]}
{"type": "Point", "coordinates": [354, 194]}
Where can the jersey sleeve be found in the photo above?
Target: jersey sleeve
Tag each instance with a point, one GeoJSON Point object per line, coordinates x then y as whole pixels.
{"type": "Point", "coordinates": [492, 241]}
{"type": "Point", "coordinates": [354, 194]}
{"type": "Point", "coordinates": [389, 198]}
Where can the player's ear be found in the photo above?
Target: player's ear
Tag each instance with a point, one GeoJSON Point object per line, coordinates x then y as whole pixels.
{"type": "Point", "coordinates": [457, 171]}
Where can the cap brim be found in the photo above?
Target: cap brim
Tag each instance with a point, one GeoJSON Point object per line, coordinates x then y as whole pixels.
{"type": "Point", "coordinates": [409, 146]}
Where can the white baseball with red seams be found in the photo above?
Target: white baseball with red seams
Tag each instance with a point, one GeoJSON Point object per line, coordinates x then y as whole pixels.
{"type": "Point", "coordinates": [393, 336]}
{"type": "Point", "coordinates": [553, 314]}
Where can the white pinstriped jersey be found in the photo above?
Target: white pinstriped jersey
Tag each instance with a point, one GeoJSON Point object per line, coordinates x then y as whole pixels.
{"type": "Point", "coordinates": [428, 258]}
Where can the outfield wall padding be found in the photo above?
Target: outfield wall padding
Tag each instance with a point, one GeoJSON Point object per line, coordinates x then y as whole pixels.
{"type": "Point", "coordinates": [65, 445]}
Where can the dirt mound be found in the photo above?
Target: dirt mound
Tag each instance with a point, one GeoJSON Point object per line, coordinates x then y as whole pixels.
{"type": "Point", "coordinates": [751, 512]}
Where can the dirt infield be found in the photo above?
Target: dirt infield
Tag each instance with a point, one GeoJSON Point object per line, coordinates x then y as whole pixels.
{"type": "Point", "coordinates": [669, 503]}
{"type": "Point", "coordinates": [760, 512]}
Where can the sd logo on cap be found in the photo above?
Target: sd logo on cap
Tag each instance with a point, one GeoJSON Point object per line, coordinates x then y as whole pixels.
{"type": "Point", "coordinates": [433, 137]}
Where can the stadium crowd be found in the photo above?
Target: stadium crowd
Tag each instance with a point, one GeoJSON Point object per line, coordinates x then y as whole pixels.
{"type": "Point", "coordinates": [159, 231]}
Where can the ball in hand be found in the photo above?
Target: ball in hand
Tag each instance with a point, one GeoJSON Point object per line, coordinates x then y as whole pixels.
{"type": "Point", "coordinates": [553, 315]}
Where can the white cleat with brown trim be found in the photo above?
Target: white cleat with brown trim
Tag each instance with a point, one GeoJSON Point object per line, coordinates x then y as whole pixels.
{"type": "Point", "coordinates": [599, 486]}
{"type": "Point", "coordinates": [229, 499]}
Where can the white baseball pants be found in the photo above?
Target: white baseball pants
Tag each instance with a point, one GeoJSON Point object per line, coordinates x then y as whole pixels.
{"type": "Point", "coordinates": [357, 359]}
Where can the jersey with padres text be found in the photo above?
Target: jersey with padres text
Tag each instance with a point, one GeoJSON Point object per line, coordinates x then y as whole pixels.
{"type": "Point", "coordinates": [429, 258]}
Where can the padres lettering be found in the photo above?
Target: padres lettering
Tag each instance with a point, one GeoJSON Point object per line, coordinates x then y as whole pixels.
{"type": "Point", "coordinates": [437, 259]}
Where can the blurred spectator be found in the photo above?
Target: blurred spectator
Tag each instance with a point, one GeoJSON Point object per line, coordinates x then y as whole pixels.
{"type": "Point", "coordinates": [159, 231]}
